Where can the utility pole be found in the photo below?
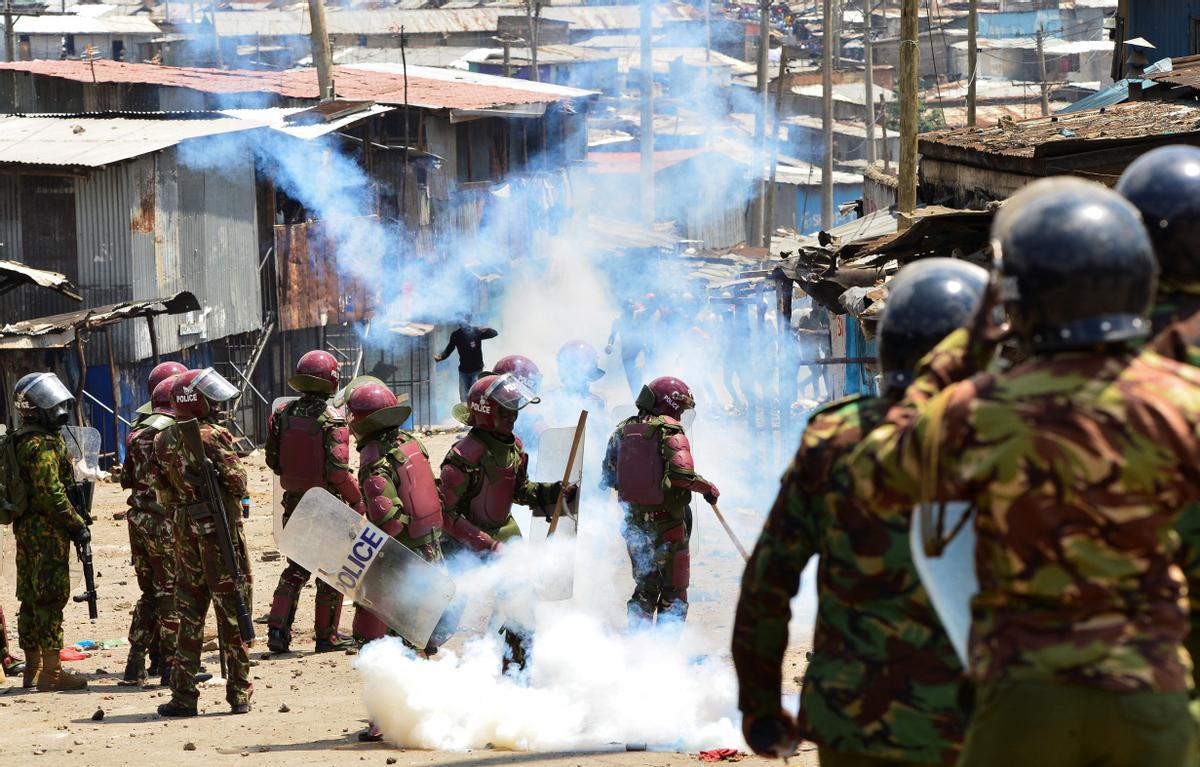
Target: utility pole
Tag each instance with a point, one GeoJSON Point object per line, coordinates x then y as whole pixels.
{"type": "Point", "coordinates": [1045, 85]}
{"type": "Point", "coordinates": [322, 57]}
{"type": "Point", "coordinates": [212, 11]}
{"type": "Point", "coordinates": [533, 15]}
{"type": "Point", "coordinates": [10, 36]}
{"type": "Point", "coordinates": [887, 152]}
{"type": "Point", "coordinates": [906, 191]}
{"type": "Point", "coordinates": [827, 116]}
{"type": "Point", "coordinates": [869, 82]}
{"type": "Point", "coordinates": [769, 209]}
{"type": "Point", "coordinates": [760, 123]}
{"type": "Point", "coordinates": [972, 57]}
{"type": "Point", "coordinates": [647, 127]}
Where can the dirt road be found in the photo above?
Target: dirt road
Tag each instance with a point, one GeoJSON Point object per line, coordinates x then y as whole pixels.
{"type": "Point", "coordinates": [307, 709]}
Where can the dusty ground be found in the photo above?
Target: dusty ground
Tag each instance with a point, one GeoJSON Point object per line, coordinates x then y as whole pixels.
{"type": "Point", "coordinates": [320, 692]}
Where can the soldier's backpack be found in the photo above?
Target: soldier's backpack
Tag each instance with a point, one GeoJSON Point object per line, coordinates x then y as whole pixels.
{"type": "Point", "coordinates": [13, 495]}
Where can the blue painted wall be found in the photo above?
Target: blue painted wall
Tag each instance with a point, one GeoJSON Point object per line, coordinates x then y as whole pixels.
{"type": "Point", "coordinates": [1167, 24]}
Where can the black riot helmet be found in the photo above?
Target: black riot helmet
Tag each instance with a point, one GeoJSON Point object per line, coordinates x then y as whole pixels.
{"type": "Point", "coordinates": [926, 301]}
{"type": "Point", "coordinates": [1077, 265]}
{"type": "Point", "coordinates": [1165, 186]}
{"type": "Point", "coordinates": [43, 398]}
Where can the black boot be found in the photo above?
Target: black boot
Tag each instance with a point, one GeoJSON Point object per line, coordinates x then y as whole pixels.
{"type": "Point", "coordinates": [176, 709]}
{"type": "Point", "coordinates": [240, 708]}
{"type": "Point", "coordinates": [278, 641]}
{"type": "Point", "coordinates": [334, 643]}
{"type": "Point", "coordinates": [156, 666]}
{"type": "Point", "coordinates": [135, 669]}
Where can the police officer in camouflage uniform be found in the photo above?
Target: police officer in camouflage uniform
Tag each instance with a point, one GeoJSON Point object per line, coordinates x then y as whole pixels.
{"type": "Point", "coordinates": [308, 445]}
{"type": "Point", "coordinates": [649, 462]}
{"type": "Point", "coordinates": [201, 575]}
{"type": "Point", "coordinates": [9, 663]}
{"type": "Point", "coordinates": [152, 629]}
{"type": "Point", "coordinates": [483, 475]}
{"type": "Point", "coordinates": [883, 684]}
{"type": "Point", "coordinates": [1164, 185]}
{"type": "Point", "coordinates": [44, 529]}
{"type": "Point", "coordinates": [1077, 461]}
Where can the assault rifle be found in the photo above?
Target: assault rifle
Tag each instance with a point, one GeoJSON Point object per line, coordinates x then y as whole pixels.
{"type": "Point", "coordinates": [80, 495]}
{"type": "Point", "coordinates": [212, 495]}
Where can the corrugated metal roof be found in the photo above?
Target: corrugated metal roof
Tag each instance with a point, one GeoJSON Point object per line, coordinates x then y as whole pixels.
{"type": "Point", "coordinates": [851, 93]}
{"type": "Point", "coordinates": [276, 118]}
{"type": "Point", "coordinates": [59, 330]}
{"type": "Point", "coordinates": [1030, 138]}
{"type": "Point", "coordinates": [428, 87]}
{"type": "Point", "coordinates": [95, 142]}
{"type": "Point", "coordinates": [14, 274]}
{"type": "Point", "coordinates": [80, 24]}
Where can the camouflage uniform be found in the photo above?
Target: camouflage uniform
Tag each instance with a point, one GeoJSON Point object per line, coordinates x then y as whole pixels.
{"type": "Point", "coordinates": [474, 464]}
{"type": "Point", "coordinates": [1179, 339]}
{"type": "Point", "coordinates": [657, 537]}
{"type": "Point", "coordinates": [1076, 463]}
{"type": "Point", "coordinates": [43, 534]}
{"type": "Point", "coordinates": [380, 454]}
{"type": "Point", "coordinates": [201, 575]}
{"type": "Point", "coordinates": [339, 480]}
{"type": "Point", "coordinates": [151, 544]}
{"type": "Point", "coordinates": [883, 679]}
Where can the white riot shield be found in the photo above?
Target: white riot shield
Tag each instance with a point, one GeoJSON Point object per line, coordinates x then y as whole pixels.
{"type": "Point", "coordinates": [950, 577]}
{"type": "Point", "coordinates": [327, 538]}
{"type": "Point", "coordinates": [83, 443]}
{"type": "Point", "coordinates": [276, 488]}
{"type": "Point", "coordinates": [554, 450]}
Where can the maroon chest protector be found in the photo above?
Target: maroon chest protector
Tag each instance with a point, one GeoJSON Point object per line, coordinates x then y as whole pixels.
{"type": "Point", "coordinates": [640, 466]}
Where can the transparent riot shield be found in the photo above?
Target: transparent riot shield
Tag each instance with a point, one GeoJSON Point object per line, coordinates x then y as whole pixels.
{"type": "Point", "coordinates": [619, 413]}
{"type": "Point", "coordinates": [83, 443]}
{"type": "Point", "coordinates": [327, 538]}
{"type": "Point", "coordinates": [276, 488]}
{"type": "Point", "coordinates": [554, 450]}
{"type": "Point", "coordinates": [949, 577]}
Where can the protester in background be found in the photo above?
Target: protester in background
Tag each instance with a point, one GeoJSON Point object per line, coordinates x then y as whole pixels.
{"type": "Point", "coordinates": [630, 328]}
{"type": "Point", "coordinates": [467, 340]}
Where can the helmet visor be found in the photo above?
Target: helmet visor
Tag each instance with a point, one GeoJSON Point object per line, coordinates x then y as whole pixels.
{"type": "Point", "coordinates": [510, 392]}
{"type": "Point", "coordinates": [687, 418]}
{"type": "Point", "coordinates": [46, 392]}
{"type": "Point", "coordinates": [214, 386]}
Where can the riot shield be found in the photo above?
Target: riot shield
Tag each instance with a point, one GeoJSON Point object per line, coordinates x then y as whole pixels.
{"type": "Point", "coordinates": [327, 538]}
{"type": "Point", "coordinates": [619, 413]}
{"type": "Point", "coordinates": [83, 443]}
{"type": "Point", "coordinates": [276, 488]}
{"type": "Point", "coordinates": [554, 449]}
{"type": "Point", "coordinates": [949, 577]}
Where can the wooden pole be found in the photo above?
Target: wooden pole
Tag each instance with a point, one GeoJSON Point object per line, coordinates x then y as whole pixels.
{"type": "Point", "coordinates": [647, 127]}
{"type": "Point", "coordinates": [153, 338]}
{"type": "Point", "coordinates": [887, 152]}
{"type": "Point", "coordinates": [81, 359]}
{"type": "Point", "coordinates": [322, 57]}
{"type": "Point", "coordinates": [906, 193]}
{"type": "Point", "coordinates": [729, 530]}
{"type": "Point", "coordinates": [757, 224]}
{"type": "Point", "coordinates": [115, 381]}
{"type": "Point", "coordinates": [869, 82]}
{"type": "Point", "coordinates": [769, 208]}
{"type": "Point", "coordinates": [10, 33]}
{"type": "Point", "coordinates": [558, 504]}
{"type": "Point", "coordinates": [972, 57]}
{"type": "Point", "coordinates": [216, 35]}
{"type": "Point", "coordinates": [827, 117]}
{"type": "Point", "coordinates": [1044, 84]}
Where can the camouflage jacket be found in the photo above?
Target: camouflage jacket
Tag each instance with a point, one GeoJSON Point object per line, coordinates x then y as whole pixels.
{"type": "Point", "coordinates": [378, 479]}
{"type": "Point", "coordinates": [1077, 464]}
{"type": "Point", "coordinates": [176, 470]}
{"type": "Point", "coordinates": [138, 467]}
{"type": "Point", "coordinates": [338, 476]}
{"type": "Point", "coordinates": [679, 474]}
{"type": "Point", "coordinates": [883, 679]}
{"type": "Point", "coordinates": [46, 471]}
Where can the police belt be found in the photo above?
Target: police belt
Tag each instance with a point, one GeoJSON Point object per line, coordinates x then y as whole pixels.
{"type": "Point", "coordinates": [652, 514]}
{"type": "Point", "coordinates": [197, 511]}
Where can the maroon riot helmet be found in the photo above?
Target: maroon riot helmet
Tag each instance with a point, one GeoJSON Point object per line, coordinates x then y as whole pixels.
{"type": "Point", "coordinates": [494, 400]}
{"type": "Point", "coordinates": [373, 407]}
{"type": "Point", "coordinates": [522, 368]}
{"type": "Point", "coordinates": [162, 399]}
{"type": "Point", "coordinates": [162, 371]}
{"type": "Point", "coordinates": [316, 373]}
{"type": "Point", "coordinates": [666, 395]}
{"type": "Point", "coordinates": [194, 392]}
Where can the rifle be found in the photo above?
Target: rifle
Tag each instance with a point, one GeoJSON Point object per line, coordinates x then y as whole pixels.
{"type": "Point", "coordinates": [212, 495]}
{"type": "Point", "coordinates": [80, 496]}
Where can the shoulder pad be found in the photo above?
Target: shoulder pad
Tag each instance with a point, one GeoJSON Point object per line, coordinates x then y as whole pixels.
{"type": "Point", "coordinates": [156, 422]}
{"type": "Point", "coordinates": [284, 405]}
{"type": "Point", "coordinates": [469, 449]}
{"type": "Point", "coordinates": [369, 453]}
{"type": "Point", "coordinates": [520, 445]}
{"type": "Point", "coordinates": [333, 414]}
{"type": "Point", "coordinates": [836, 404]}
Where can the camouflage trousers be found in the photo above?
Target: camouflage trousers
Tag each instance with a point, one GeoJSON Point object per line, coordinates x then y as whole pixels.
{"type": "Point", "coordinates": [657, 542]}
{"type": "Point", "coordinates": [201, 578]}
{"type": "Point", "coordinates": [1047, 724]}
{"type": "Point", "coordinates": [43, 583]}
{"type": "Point", "coordinates": [829, 757]}
{"type": "Point", "coordinates": [152, 548]}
